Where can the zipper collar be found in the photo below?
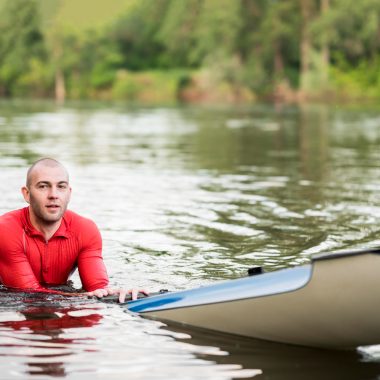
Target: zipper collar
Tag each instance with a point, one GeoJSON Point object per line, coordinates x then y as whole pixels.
{"type": "Point", "coordinates": [30, 230]}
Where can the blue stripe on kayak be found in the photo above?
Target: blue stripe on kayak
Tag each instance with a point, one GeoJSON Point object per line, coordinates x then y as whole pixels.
{"type": "Point", "coordinates": [266, 284]}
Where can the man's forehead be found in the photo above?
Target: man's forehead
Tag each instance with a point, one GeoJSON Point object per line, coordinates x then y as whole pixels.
{"type": "Point", "coordinates": [56, 173]}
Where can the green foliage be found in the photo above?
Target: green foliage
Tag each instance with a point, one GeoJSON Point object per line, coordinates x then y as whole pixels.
{"type": "Point", "coordinates": [351, 28]}
{"type": "Point", "coordinates": [21, 42]}
{"type": "Point", "coordinates": [36, 81]}
{"type": "Point", "coordinates": [275, 39]}
{"type": "Point", "coordinates": [359, 81]}
{"type": "Point", "coordinates": [156, 50]}
{"type": "Point", "coordinates": [148, 86]}
{"type": "Point", "coordinates": [280, 29]}
{"type": "Point", "coordinates": [217, 29]}
{"type": "Point", "coordinates": [135, 35]}
{"type": "Point", "coordinates": [176, 31]}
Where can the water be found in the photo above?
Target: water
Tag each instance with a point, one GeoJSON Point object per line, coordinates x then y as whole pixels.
{"type": "Point", "coordinates": [186, 196]}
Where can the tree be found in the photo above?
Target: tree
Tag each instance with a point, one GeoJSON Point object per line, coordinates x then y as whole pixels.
{"type": "Point", "coordinates": [21, 41]}
{"type": "Point", "coordinates": [306, 45]}
{"type": "Point", "coordinates": [177, 31]}
{"type": "Point", "coordinates": [278, 33]}
{"type": "Point", "coordinates": [351, 28]}
{"type": "Point", "coordinates": [325, 8]}
{"type": "Point", "coordinates": [135, 34]}
{"type": "Point", "coordinates": [217, 29]}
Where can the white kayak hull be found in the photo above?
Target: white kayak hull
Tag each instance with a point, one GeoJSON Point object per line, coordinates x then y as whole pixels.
{"type": "Point", "coordinates": [332, 303]}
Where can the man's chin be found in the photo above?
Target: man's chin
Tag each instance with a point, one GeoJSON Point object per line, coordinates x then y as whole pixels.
{"type": "Point", "coordinates": [51, 219]}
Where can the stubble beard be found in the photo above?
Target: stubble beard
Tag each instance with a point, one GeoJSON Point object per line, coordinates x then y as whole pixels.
{"type": "Point", "coordinates": [43, 216]}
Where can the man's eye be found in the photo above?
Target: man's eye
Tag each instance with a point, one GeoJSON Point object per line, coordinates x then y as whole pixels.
{"type": "Point", "coordinates": [42, 186]}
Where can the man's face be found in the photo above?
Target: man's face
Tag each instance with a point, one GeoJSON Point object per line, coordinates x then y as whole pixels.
{"type": "Point", "coordinates": [48, 193]}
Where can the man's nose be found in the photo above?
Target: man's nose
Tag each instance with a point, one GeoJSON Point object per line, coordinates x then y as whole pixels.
{"type": "Point", "coordinates": [53, 193]}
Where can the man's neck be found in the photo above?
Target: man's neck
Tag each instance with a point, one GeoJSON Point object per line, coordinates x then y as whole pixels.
{"type": "Point", "coordinates": [46, 229]}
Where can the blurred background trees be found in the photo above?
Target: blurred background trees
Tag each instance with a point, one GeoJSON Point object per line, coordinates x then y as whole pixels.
{"type": "Point", "coordinates": [190, 50]}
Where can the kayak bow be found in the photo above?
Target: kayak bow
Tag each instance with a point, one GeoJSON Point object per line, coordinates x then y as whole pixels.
{"type": "Point", "coordinates": [334, 302]}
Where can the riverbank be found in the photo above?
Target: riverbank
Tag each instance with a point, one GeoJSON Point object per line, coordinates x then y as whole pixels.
{"type": "Point", "coordinates": [201, 87]}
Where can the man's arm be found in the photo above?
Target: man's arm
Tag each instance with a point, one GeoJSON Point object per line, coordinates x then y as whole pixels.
{"type": "Point", "coordinates": [15, 269]}
{"type": "Point", "coordinates": [92, 270]}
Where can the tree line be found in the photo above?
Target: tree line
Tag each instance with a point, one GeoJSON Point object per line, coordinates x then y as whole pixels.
{"type": "Point", "coordinates": [197, 50]}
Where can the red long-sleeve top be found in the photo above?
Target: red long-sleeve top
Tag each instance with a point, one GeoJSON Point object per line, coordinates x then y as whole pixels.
{"type": "Point", "coordinates": [27, 261]}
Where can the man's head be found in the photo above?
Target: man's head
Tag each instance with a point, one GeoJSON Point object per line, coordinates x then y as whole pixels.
{"type": "Point", "coordinates": [47, 190]}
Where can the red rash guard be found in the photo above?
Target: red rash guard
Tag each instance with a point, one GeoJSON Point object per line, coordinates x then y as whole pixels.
{"type": "Point", "coordinates": [27, 261]}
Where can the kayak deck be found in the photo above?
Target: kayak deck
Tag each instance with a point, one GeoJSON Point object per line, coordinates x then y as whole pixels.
{"type": "Point", "coordinates": [248, 287]}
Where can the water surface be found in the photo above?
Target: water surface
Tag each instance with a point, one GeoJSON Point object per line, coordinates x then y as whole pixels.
{"type": "Point", "coordinates": [186, 196]}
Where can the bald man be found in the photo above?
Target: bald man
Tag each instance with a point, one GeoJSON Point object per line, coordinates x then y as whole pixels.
{"type": "Point", "coordinates": [42, 245]}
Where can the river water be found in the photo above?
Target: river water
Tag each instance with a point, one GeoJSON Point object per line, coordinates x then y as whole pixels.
{"type": "Point", "coordinates": [187, 196]}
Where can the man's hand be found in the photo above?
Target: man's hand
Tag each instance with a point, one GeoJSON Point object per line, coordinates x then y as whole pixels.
{"type": "Point", "coordinates": [121, 292]}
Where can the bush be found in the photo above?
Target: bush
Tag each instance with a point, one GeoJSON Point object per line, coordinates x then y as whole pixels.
{"type": "Point", "coordinates": [148, 86]}
{"type": "Point", "coordinates": [360, 81]}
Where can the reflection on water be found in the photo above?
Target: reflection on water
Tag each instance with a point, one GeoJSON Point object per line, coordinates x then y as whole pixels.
{"type": "Point", "coordinates": [57, 337]}
{"type": "Point", "coordinates": [286, 362]}
{"type": "Point", "coordinates": [38, 336]}
{"type": "Point", "coordinates": [184, 197]}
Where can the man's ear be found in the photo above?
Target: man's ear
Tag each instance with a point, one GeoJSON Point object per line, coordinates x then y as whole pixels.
{"type": "Point", "coordinates": [26, 194]}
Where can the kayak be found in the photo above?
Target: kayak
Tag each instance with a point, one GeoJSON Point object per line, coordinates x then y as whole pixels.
{"type": "Point", "coordinates": [333, 302]}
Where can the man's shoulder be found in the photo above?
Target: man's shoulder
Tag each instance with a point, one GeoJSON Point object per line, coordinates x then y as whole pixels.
{"type": "Point", "coordinates": [83, 229]}
{"type": "Point", "coordinates": [11, 226]}
{"type": "Point", "coordinates": [12, 218]}
{"type": "Point", "coordinates": [78, 222]}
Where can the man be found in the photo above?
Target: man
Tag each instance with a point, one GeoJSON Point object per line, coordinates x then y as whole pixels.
{"type": "Point", "coordinates": [41, 245]}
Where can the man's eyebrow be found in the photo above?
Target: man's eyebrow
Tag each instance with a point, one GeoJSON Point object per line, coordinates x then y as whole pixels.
{"type": "Point", "coordinates": [49, 183]}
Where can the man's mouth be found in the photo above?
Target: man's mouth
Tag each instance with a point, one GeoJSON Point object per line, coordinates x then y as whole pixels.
{"type": "Point", "coordinates": [52, 207]}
